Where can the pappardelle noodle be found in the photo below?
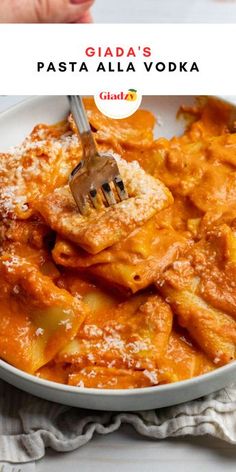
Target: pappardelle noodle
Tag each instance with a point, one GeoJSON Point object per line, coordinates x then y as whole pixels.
{"type": "Point", "coordinates": [135, 295]}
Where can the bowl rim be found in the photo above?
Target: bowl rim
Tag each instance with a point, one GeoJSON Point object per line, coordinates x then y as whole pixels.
{"type": "Point", "coordinates": [175, 386]}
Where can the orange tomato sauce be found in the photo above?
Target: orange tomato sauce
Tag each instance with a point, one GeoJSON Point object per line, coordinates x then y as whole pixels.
{"type": "Point", "coordinates": [137, 295]}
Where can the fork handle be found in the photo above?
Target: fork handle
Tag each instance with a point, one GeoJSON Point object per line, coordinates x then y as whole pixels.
{"type": "Point", "coordinates": [83, 126]}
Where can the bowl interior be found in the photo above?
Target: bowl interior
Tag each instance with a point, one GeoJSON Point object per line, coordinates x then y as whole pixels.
{"type": "Point", "coordinates": [15, 124]}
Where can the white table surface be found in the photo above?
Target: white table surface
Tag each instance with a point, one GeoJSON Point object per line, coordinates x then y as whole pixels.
{"type": "Point", "coordinates": [126, 450]}
{"type": "Point", "coordinates": [164, 11]}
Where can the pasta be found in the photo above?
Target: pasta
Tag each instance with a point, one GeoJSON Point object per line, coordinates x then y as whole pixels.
{"type": "Point", "coordinates": [132, 264]}
{"type": "Point", "coordinates": [99, 230]}
{"type": "Point", "coordinates": [135, 295]}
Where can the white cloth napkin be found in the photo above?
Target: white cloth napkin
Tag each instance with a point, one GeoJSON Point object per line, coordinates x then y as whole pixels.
{"type": "Point", "coordinates": [28, 425]}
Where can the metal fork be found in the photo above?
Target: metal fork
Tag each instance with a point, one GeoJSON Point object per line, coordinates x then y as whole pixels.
{"type": "Point", "coordinates": [95, 173]}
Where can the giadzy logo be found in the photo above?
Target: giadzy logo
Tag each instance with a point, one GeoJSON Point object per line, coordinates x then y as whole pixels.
{"type": "Point", "coordinates": [118, 104]}
{"type": "Point", "coordinates": [131, 95]}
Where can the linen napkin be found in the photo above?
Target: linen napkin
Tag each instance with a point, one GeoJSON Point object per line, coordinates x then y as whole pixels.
{"type": "Point", "coordinates": [28, 425]}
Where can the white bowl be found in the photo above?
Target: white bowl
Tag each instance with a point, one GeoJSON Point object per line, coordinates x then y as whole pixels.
{"type": "Point", "coordinates": [120, 400]}
{"type": "Point", "coordinates": [15, 124]}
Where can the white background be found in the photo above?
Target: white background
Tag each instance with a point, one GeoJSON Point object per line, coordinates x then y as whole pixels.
{"type": "Point", "coordinates": [209, 45]}
{"type": "Point", "coordinates": [126, 450]}
{"type": "Point", "coordinates": [167, 11]}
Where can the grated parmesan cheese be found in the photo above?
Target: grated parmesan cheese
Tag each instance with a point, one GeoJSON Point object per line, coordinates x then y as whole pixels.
{"type": "Point", "coordinates": [152, 376]}
{"type": "Point", "coordinates": [39, 331]}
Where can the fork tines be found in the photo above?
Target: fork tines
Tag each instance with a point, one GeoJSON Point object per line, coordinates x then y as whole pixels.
{"type": "Point", "coordinates": [88, 189]}
{"type": "Point", "coordinates": [119, 188]}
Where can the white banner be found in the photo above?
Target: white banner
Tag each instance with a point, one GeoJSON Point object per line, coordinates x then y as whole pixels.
{"type": "Point", "coordinates": [89, 59]}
